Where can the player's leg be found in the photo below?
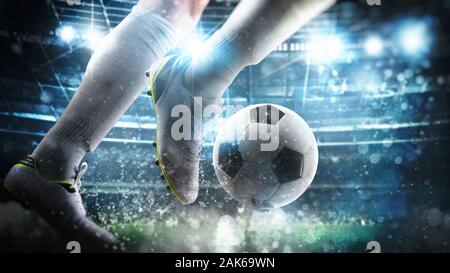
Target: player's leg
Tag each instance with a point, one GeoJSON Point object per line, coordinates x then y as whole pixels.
{"type": "Point", "coordinates": [252, 31]}
{"type": "Point", "coordinates": [114, 77]}
{"type": "Point", "coordinates": [47, 180]}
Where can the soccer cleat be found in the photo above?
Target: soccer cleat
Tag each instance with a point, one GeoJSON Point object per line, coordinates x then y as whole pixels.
{"type": "Point", "coordinates": [5, 196]}
{"type": "Point", "coordinates": [178, 157]}
{"type": "Point", "coordinates": [59, 203]}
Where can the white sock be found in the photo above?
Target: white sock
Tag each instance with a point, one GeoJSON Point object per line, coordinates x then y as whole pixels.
{"type": "Point", "coordinates": [114, 77]}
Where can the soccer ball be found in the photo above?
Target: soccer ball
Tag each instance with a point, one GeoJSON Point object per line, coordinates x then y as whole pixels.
{"type": "Point", "coordinates": [265, 155]}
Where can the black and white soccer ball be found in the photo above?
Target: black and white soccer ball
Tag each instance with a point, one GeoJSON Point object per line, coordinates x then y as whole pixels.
{"type": "Point", "coordinates": [265, 155]}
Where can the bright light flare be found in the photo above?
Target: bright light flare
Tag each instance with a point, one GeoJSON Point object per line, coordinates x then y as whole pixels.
{"type": "Point", "coordinates": [414, 38]}
{"type": "Point", "coordinates": [326, 48]}
{"type": "Point", "coordinates": [374, 46]}
{"type": "Point", "coordinates": [67, 33]}
{"type": "Point", "coordinates": [195, 45]}
{"type": "Point", "coordinates": [92, 38]}
{"type": "Point", "coordinates": [228, 234]}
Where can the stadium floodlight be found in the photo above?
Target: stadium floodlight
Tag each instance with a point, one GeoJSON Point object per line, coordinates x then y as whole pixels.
{"type": "Point", "coordinates": [374, 46]}
{"type": "Point", "coordinates": [414, 39]}
{"type": "Point", "coordinates": [67, 33]}
{"type": "Point", "coordinates": [325, 48]}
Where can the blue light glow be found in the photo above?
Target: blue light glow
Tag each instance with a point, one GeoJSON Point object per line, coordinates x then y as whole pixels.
{"type": "Point", "coordinates": [195, 44]}
{"type": "Point", "coordinates": [92, 38]}
{"type": "Point", "coordinates": [67, 33]}
{"type": "Point", "coordinates": [374, 46]}
{"type": "Point", "coordinates": [325, 48]}
{"type": "Point", "coordinates": [414, 39]}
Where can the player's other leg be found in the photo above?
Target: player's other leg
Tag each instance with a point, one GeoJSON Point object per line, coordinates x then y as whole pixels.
{"type": "Point", "coordinates": [48, 180]}
{"type": "Point", "coordinates": [251, 32]}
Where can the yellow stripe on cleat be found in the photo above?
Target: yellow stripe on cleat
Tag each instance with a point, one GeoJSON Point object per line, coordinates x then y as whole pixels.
{"type": "Point", "coordinates": [60, 182]}
{"type": "Point", "coordinates": [152, 94]}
